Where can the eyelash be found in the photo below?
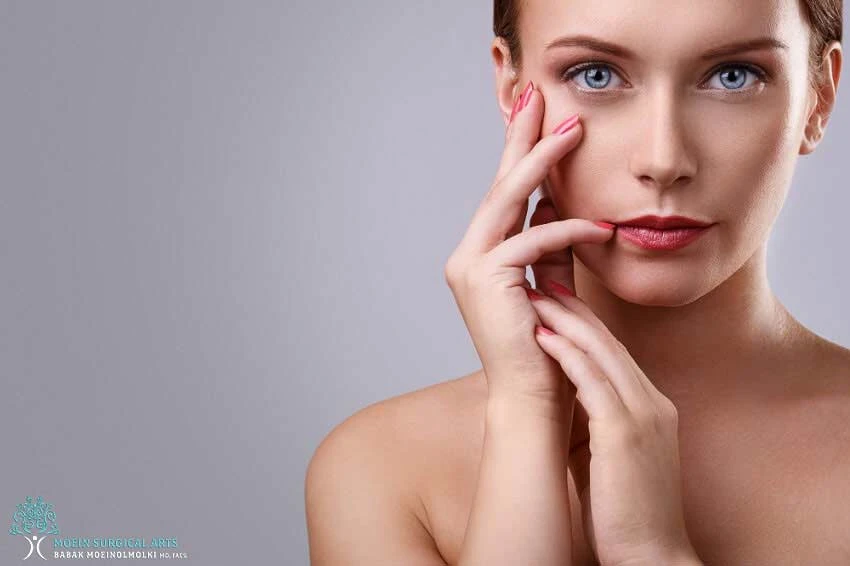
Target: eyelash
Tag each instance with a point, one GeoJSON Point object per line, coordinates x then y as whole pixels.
{"type": "Point", "coordinates": [568, 73]}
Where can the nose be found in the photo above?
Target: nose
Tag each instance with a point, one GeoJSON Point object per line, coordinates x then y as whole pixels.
{"type": "Point", "coordinates": [662, 156]}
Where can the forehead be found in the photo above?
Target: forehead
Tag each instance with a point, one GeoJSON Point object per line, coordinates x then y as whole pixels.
{"type": "Point", "coordinates": [677, 27]}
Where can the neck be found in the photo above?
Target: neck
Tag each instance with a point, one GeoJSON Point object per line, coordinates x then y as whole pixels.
{"type": "Point", "coordinates": [708, 343]}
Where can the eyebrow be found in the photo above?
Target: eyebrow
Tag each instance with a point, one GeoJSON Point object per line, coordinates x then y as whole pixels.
{"type": "Point", "coordinates": [597, 44]}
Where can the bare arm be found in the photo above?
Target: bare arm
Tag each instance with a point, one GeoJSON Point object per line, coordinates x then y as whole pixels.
{"type": "Point", "coordinates": [359, 507]}
{"type": "Point", "coordinates": [522, 489]}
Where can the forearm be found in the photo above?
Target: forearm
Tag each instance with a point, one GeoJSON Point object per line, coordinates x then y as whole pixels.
{"type": "Point", "coordinates": [520, 513]}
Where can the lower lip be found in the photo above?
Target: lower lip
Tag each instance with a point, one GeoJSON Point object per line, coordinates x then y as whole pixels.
{"type": "Point", "coordinates": [669, 239]}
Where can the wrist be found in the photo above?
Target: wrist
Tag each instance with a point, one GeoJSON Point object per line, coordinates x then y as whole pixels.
{"type": "Point", "coordinates": [680, 556]}
{"type": "Point", "coordinates": [511, 407]}
{"type": "Point", "coordinates": [685, 557]}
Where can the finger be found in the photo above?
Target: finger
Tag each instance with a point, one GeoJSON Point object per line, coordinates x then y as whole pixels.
{"type": "Point", "coordinates": [499, 211]}
{"type": "Point", "coordinates": [559, 290]}
{"type": "Point", "coordinates": [551, 266]}
{"type": "Point", "coordinates": [523, 131]}
{"type": "Point", "coordinates": [528, 247]}
{"type": "Point", "coordinates": [520, 221]}
{"type": "Point", "coordinates": [599, 347]}
{"type": "Point", "coordinates": [593, 388]}
{"type": "Point", "coordinates": [575, 304]}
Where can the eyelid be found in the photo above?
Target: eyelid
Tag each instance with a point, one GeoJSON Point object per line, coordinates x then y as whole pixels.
{"type": "Point", "coordinates": [567, 74]}
{"type": "Point", "coordinates": [758, 71]}
{"type": "Point", "coordinates": [572, 71]}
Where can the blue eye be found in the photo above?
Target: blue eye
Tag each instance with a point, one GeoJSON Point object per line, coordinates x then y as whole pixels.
{"type": "Point", "coordinates": [734, 76]}
{"type": "Point", "coordinates": [597, 75]}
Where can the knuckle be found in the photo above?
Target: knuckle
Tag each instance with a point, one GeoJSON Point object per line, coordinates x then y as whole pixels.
{"type": "Point", "coordinates": [536, 232]}
{"type": "Point", "coordinates": [474, 275]}
{"type": "Point", "coordinates": [459, 270]}
{"type": "Point", "coordinates": [451, 270]}
{"type": "Point", "coordinates": [601, 337]}
{"type": "Point", "coordinates": [627, 435]}
{"type": "Point", "coordinates": [670, 411]}
{"type": "Point", "coordinates": [449, 276]}
{"type": "Point", "coordinates": [660, 419]}
{"type": "Point", "coordinates": [646, 418]}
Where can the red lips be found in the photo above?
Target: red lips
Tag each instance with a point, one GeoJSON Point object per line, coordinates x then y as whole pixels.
{"type": "Point", "coordinates": [663, 222]}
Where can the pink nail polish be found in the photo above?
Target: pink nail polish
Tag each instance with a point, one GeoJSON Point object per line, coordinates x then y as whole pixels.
{"type": "Point", "coordinates": [543, 330]}
{"type": "Point", "coordinates": [566, 125]}
{"type": "Point", "coordinates": [604, 224]}
{"type": "Point", "coordinates": [558, 288]}
{"type": "Point", "coordinates": [532, 294]}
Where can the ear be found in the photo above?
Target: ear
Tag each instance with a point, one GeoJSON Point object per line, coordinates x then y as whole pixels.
{"type": "Point", "coordinates": [822, 98]}
{"type": "Point", "coordinates": [507, 79]}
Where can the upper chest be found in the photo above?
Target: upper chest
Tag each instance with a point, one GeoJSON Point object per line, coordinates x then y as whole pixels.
{"type": "Point", "coordinates": [757, 488]}
{"type": "Point", "coordinates": [769, 487]}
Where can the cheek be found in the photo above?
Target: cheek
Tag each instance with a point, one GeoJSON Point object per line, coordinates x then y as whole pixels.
{"type": "Point", "coordinates": [745, 154]}
{"type": "Point", "coordinates": [746, 139]}
{"type": "Point", "coordinates": [746, 158]}
{"type": "Point", "coordinates": [589, 180]}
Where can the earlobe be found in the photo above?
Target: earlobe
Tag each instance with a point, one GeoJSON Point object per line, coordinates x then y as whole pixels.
{"type": "Point", "coordinates": [811, 136]}
{"type": "Point", "coordinates": [822, 99]}
{"type": "Point", "coordinates": [808, 141]}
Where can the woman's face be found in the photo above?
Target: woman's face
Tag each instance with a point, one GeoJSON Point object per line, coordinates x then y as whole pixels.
{"type": "Point", "coordinates": [673, 129]}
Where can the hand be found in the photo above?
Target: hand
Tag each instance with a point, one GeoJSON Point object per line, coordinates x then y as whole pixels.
{"type": "Point", "coordinates": [486, 273]}
{"type": "Point", "coordinates": [632, 511]}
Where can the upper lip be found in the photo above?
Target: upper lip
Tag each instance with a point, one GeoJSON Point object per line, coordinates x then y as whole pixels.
{"type": "Point", "coordinates": [663, 222]}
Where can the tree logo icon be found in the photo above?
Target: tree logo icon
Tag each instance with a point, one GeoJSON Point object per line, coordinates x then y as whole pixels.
{"type": "Point", "coordinates": [34, 515]}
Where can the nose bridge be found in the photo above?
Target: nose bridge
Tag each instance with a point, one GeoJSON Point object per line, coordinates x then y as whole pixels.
{"type": "Point", "coordinates": [661, 154]}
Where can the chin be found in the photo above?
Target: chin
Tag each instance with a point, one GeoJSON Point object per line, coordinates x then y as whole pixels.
{"type": "Point", "coordinates": [650, 283]}
{"type": "Point", "coordinates": [658, 291]}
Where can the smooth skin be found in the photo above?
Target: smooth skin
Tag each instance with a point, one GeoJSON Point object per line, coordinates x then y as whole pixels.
{"type": "Point", "coordinates": [636, 482]}
{"type": "Point", "coordinates": [523, 474]}
{"type": "Point", "coordinates": [469, 470]}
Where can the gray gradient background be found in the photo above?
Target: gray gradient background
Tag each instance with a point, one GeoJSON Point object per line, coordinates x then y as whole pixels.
{"type": "Point", "coordinates": [223, 227]}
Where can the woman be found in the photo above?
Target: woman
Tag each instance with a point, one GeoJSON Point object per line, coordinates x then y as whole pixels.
{"type": "Point", "coordinates": [699, 421]}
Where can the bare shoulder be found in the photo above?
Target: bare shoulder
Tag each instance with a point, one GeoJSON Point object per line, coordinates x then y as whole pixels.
{"type": "Point", "coordinates": [837, 355]}
{"type": "Point", "coordinates": [364, 481]}
{"type": "Point", "coordinates": [831, 367]}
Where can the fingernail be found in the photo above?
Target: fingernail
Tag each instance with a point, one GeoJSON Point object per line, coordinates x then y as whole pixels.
{"type": "Point", "coordinates": [558, 288]}
{"type": "Point", "coordinates": [521, 100]}
{"type": "Point", "coordinates": [532, 294]}
{"type": "Point", "coordinates": [607, 225]}
{"type": "Point", "coordinates": [566, 125]}
{"type": "Point", "coordinates": [543, 330]}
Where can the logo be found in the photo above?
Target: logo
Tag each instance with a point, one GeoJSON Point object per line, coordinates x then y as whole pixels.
{"type": "Point", "coordinates": [35, 520]}
{"type": "Point", "coordinates": [34, 515]}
